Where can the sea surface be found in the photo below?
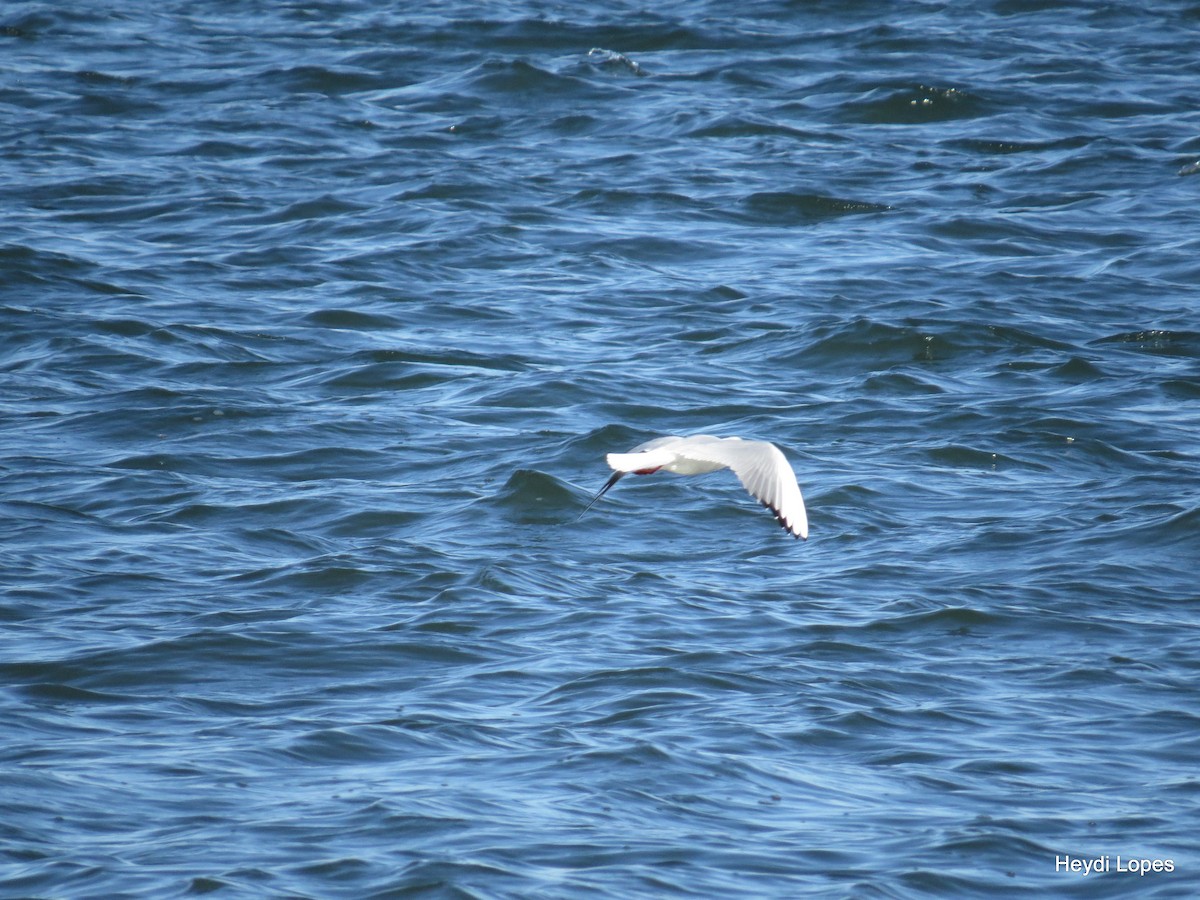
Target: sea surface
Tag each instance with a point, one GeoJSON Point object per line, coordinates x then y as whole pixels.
{"type": "Point", "coordinates": [317, 320]}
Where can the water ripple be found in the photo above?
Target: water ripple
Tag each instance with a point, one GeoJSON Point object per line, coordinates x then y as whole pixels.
{"type": "Point", "coordinates": [319, 322]}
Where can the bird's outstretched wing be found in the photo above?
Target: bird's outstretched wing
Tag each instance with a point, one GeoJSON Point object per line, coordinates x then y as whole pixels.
{"type": "Point", "coordinates": [764, 471]}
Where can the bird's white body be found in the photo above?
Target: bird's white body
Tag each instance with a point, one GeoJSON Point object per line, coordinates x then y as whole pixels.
{"type": "Point", "coordinates": [760, 466]}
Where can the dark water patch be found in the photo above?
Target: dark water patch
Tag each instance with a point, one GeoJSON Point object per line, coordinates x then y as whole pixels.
{"type": "Point", "coordinates": [455, 878]}
{"type": "Point", "coordinates": [577, 124]}
{"type": "Point", "coordinates": [860, 341]}
{"type": "Point", "coordinates": [595, 684]}
{"type": "Point", "coordinates": [525, 34]}
{"type": "Point", "coordinates": [904, 384]}
{"type": "Point", "coordinates": [392, 377]}
{"type": "Point", "coordinates": [62, 694]}
{"type": "Point", "coordinates": [995, 146]}
{"type": "Point", "coordinates": [331, 81]}
{"type": "Point", "coordinates": [465, 193]}
{"type": "Point", "coordinates": [1014, 238]}
{"type": "Point", "coordinates": [610, 201]}
{"type": "Point", "coordinates": [352, 320]}
{"type": "Point", "coordinates": [317, 208]}
{"type": "Point", "coordinates": [361, 744]}
{"type": "Point", "coordinates": [1088, 438]}
{"type": "Point", "coordinates": [794, 208]}
{"type": "Point", "coordinates": [971, 457]}
{"type": "Point", "coordinates": [913, 104]}
{"type": "Point", "coordinates": [518, 78]}
{"type": "Point", "coordinates": [245, 514]}
{"type": "Point", "coordinates": [1078, 371]}
{"type": "Point", "coordinates": [158, 663]}
{"type": "Point", "coordinates": [97, 105]}
{"type": "Point", "coordinates": [960, 621]}
{"type": "Point", "coordinates": [476, 127]}
{"type": "Point", "coordinates": [22, 258]}
{"type": "Point", "coordinates": [532, 391]}
{"type": "Point", "coordinates": [1185, 344]}
{"type": "Point", "coordinates": [380, 522]}
{"type": "Point", "coordinates": [496, 360]}
{"type": "Point", "coordinates": [299, 467]}
{"type": "Point", "coordinates": [212, 148]}
{"type": "Point", "coordinates": [652, 250]}
{"type": "Point", "coordinates": [533, 496]}
{"type": "Point", "coordinates": [29, 24]}
{"type": "Point", "coordinates": [1172, 529]}
{"type": "Point", "coordinates": [740, 126]}
{"type": "Point", "coordinates": [202, 885]}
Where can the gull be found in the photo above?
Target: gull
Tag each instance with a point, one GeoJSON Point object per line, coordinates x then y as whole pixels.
{"type": "Point", "coordinates": [760, 466]}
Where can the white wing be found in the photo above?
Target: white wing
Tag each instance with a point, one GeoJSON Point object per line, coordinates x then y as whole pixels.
{"type": "Point", "coordinates": [762, 469]}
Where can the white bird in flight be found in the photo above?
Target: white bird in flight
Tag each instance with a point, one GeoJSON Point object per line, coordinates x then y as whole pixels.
{"type": "Point", "coordinates": [761, 467]}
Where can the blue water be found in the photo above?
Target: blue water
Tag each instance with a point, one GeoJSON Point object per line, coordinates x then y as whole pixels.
{"type": "Point", "coordinates": [317, 320]}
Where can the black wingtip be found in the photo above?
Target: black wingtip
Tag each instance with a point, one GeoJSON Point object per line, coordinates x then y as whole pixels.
{"type": "Point", "coordinates": [782, 521]}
